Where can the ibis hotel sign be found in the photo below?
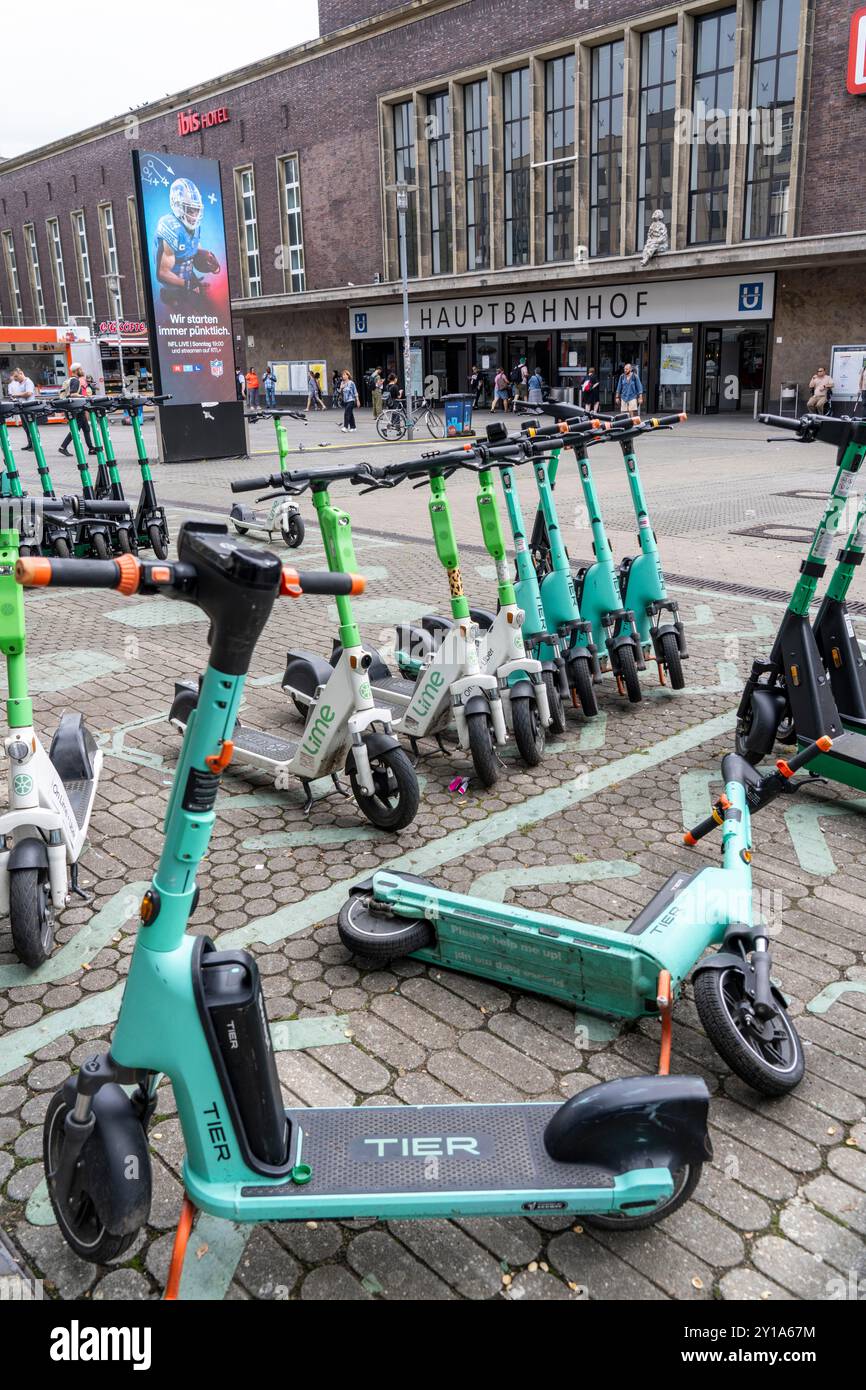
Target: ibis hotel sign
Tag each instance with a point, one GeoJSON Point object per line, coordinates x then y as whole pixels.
{"type": "Point", "coordinates": [718, 298]}
{"type": "Point", "coordinates": [857, 54]}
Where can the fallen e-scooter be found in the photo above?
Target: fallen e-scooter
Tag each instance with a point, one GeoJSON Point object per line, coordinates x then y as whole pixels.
{"type": "Point", "coordinates": [623, 1153]}
{"type": "Point", "coordinates": [345, 728]}
{"type": "Point", "coordinates": [51, 795]}
{"type": "Point", "coordinates": [629, 973]}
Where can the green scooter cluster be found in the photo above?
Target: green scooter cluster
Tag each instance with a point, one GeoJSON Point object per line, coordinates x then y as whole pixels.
{"type": "Point", "coordinates": [101, 522]}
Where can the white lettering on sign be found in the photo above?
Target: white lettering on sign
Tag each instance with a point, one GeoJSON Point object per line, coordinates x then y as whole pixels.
{"type": "Point", "coordinates": [723, 297]}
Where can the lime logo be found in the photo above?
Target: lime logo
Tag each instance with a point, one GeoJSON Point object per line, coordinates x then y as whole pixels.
{"type": "Point", "coordinates": [364, 690]}
{"type": "Point", "coordinates": [324, 719]}
{"type": "Point", "coordinates": [429, 694]}
{"type": "Point", "coordinates": [23, 784]}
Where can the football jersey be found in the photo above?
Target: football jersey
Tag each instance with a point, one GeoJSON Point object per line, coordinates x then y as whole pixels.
{"type": "Point", "coordinates": [181, 242]}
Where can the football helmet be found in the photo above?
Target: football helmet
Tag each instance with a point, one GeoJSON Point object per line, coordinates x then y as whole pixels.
{"type": "Point", "coordinates": [186, 203]}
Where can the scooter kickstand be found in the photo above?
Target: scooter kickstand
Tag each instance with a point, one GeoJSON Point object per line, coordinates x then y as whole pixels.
{"type": "Point", "coordinates": [74, 888]}
{"type": "Point", "coordinates": [308, 796]}
{"type": "Point", "coordinates": [181, 1239]}
{"type": "Point", "coordinates": [344, 791]}
{"type": "Point", "coordinates": [665, 1003]}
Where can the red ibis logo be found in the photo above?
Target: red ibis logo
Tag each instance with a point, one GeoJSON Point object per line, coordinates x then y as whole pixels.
{"type": "Point", "coordinates": [857, 54]}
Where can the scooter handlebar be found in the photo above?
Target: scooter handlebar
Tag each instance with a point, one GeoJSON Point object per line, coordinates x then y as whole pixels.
{"type": "Point", "coordinates": [36, 572]}
{"type": "Point", "coordinates": [294, 585]}
{"type": "Point", "coordinates": [784, 422]}
{"type": "Point", "coordinates": [765, 791]}
{"type": "Point", "coordinates": [254, 484]}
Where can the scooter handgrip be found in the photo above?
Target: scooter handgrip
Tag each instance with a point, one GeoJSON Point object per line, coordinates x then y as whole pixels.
{"type": "Point", "coordinates": [91, 506]}
{"type": "Point", "coordinates": [37, 571]}
{"type": "Point", "coordinates": [782, 422]}
{"type": "Point", "coordinates": [698, 832]}
{"type": "Point", "coordinates": [294, 585]}
{"type": "Point", "coordinates": [788, 766]}
{"type": "Point", "coordinates": [254, 484]}
{"type": "Point", "coordinates": [660, 422]}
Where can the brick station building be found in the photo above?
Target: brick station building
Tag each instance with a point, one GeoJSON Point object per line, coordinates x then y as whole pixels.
{"type": "Point", "coordinates": [538, 141]}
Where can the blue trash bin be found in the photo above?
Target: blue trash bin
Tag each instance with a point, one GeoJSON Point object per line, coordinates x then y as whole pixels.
{"type": "Point", "coordinates": [458, 414]}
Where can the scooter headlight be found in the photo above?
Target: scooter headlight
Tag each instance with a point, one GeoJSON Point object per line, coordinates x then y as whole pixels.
{"type": "Point", "coordinates": [19, 751]}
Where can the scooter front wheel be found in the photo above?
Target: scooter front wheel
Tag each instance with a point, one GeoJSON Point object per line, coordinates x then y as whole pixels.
{"type": "Point", "coordinates": [528, 730]}
{"type": "Point", "coordinates": [293, 533]}
{"type": "Point", "coordinates": [627, 676]}
{"type": "Point", "coordinates": [767, 1055]}
{"type": "Point", "coordinates": [482, 748]}
{"type": "Point", "coordinates": [394, 803]}
{"type": "Point", "coordinates": [554, 701]}
{"type": "Point", "coordinates": [79, 1220]}
{"type": "Point", "coordinates": [685, 1179]}
{"type": "Point", "coordinates": [100, 547]}
{"type": "Point", "coordinates": [580, 679]}
{"type": "Point", "coordinates": [672, 661]}
{"type": "Point", "coordinates": [158, 541]}
{"type": "Point", "coordinates": [31, 916]}
{"type": "Point", "coordinates": [758, 727]}
{"type": "Point", "coordinates": [61, 548]}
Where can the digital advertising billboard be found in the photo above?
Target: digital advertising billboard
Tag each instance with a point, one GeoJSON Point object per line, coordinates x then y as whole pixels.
{"type": "Point", "coordinates": [183, 247]}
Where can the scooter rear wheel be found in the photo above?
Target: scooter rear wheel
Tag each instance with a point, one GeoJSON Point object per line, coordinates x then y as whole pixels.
{"type": "Point", "coordinates": [554, 700]}
{"type": "Point", "coordinates": [381, 936]}
{"type": "Point", "coordinates": [580, 677]}
{"type": "Point", "coordinates": [394, 803]}
{"type": "Point", "coordinates": [685, 1179]}
{"type": "Point", "coordinates": [528, 730]}
{"type": "Point", "coordinates": [772, 1066]}
{"type": "Point", "coordinates": [757, 728]}
{"type": "Point", "coordinates": [100, 547]}
{"type": "Point", "coordinates": [482, 748]}
{"type": "Point", "coordinates": [158, 542]}
{"type": "Point", "coordinates": [78, 1220]}
{"type": "Point", "coordinates": [30, 915]}
{"type": "Point", "coordinates": [61, 548]}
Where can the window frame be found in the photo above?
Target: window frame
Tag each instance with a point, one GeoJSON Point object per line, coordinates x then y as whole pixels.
{"type": "Point", "coordinates": [58, 269]}
{"type": "Point", "coordinates": [510, 169]}
{"type": "Point", "coordinates": [251, 280]}
{"type": "Point", "coordinates": [607, 102]}
{"type": "Point", "coordinates": [290, 273]}
{"type": "Point", "coordinates": [82, 261]}
{"type": "Point", "coordinates": [34, 272]}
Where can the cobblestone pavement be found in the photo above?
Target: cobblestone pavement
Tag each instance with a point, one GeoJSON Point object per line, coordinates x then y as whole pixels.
{"type": "Point", "coordinates": [780, 1213]}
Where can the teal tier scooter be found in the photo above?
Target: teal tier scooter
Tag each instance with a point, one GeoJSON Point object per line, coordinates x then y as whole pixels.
{"type": "Point", "coordinates": [641, 577]}
{"type": "Point", "coordinates": [624, 974]}
{"type": "Point", "coordinates": [283, 517]}
{"type": "Point", "coordinates": [622, 1154]}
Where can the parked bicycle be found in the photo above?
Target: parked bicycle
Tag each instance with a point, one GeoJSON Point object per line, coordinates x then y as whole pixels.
{"type": "Point", "coordinates": [393, 422]}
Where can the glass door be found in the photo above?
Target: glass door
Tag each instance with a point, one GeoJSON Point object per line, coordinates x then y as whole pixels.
{"type": "Point", "coordinates": [711, 371]}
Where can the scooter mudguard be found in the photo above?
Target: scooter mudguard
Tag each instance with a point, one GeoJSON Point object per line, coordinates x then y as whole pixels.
{"type": "Point", "coordinates": [117, 1159]}
{"type": "Point", "coordinates": [184, 702]}
{"type": "Point", "coordinates": [377, 742]}
{"type": "Point", "coordinates": [30, 853]}
{"type": "Point", "coordinates": [367, 886]}
{"type": "Point", "coordinates": [435, 624]}
{"type": "Point", "coordinates": [242, 513]}
{"type": "Point", "coordinates": [72, 748]}
{"type": "Point", "coordinates": [305, 672]}
{"type": "Point", "coordinates": [483, 617]}
{"type": "Point", "coordinates": [519, 688]}
{"type": "Point", "coordinates": [476, 704]}
{"type": "Point", "coordinates": [634, 1122]}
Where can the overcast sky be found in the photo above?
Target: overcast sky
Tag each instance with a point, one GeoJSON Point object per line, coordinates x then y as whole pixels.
{"type": "Point", "coordinates": [66, 65]}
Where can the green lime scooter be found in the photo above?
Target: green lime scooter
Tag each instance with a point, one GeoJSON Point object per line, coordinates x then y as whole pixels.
{"type": "Point", "coordinates": [623, 1153]}
{"type": "Point", "coordinates": [283, 517]}
{"type": "Point", "coordinates": [625, 974]}
{"type": "Point", "coordinates": [110, 529]}
{"type": "Point", "coordinates": [792, 695]}
{"type": "Point", "coordinates": [59, 526]}
{"type": "Point", "coordinates": [150, 526]}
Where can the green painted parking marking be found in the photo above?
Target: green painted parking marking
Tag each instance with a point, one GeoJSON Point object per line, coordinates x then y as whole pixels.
{"type": "Point", "coordinates": [314, 835]}
{"type": "Point", "coordinates": [91, 1012]}
{"type": "Point", "coordinates": [157, 613]}
{"type": "Point", "coordinates": [762, 626]}
{"type": "Point", "coordinates": [62, 670]}
{"type": "Point", "coordinates": [295, 917]}
{"type": "Point", "coordinates": [114, 744]}
{"type": "Point", "coordinates": [215, 1250]}
{"type": "Point", "coordinates": [822, 1002]}
{"type": "Point", "coordinates": [384, 611]}
{"type": "Point", "coordinates": [695, 794]}
{"type": "Point", "coordinates": [703, 615]}
{"type": "Point", "coordinates": [809, 840]}
{"type": "Point", "coordinates": [87, 942]}
{"type": "Point", "coordinates": [295, 1034]}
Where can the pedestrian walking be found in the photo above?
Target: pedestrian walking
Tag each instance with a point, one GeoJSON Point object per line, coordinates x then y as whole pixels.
{"type": "Point", "coordinates": [590, 391]}
{"type": "Point", "coordinates": [629, 390]}
{"type": "Point", "coordinates": [241, 385]}
{"type": "Point", "coordinates": [21, 389]}
{"type": "Point", "coordinates": [820, 386]}
{"type": "Point", "coordinates": [349, 399]}
{"type": "Point", "coordinates": [476, 386]}
{"type": "Point", "coordinates": [252, 382]}
{"type": "Point", "coordinates": [535, 385]}
{"type": "Point", "coordinates": [376, 384]}
{"type": "Point", "coordinates": [501, 392]}
{"type": "Point", "coordinates": [314, 391]}
{"type": "Point", "coordinates": [269, 381]}
{"type": "Point", "coordinates": [76, 385]}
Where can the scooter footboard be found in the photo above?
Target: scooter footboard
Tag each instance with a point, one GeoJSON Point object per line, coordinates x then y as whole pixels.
{"type": "Point", "coordinates": [660, 1120]}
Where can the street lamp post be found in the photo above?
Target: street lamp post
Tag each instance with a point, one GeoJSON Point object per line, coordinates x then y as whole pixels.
{"type": "Point", "coordinates": [403, 189]}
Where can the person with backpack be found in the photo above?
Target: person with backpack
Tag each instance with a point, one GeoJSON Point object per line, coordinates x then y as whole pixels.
{"type": "Point", "coordinates": [519, 380]}
{"type": "Point", "coordinates": [535, 385]}
{"type": "Point", "coordinates": [349, 398]}
{"type": "Point", "coordinates": [590, 391]}
{"type": "Point", "coordinates": [501, 391]}
{"type": "Point", "coordinates": [629, 390]}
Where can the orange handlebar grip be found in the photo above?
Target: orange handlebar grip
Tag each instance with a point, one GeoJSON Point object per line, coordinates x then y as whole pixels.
{"type": "Point", "coordinates": [34, 571]}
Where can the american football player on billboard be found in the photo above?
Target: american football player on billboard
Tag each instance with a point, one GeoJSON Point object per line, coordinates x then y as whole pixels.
{"type": "Point", "coordinates": [181, 263]}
